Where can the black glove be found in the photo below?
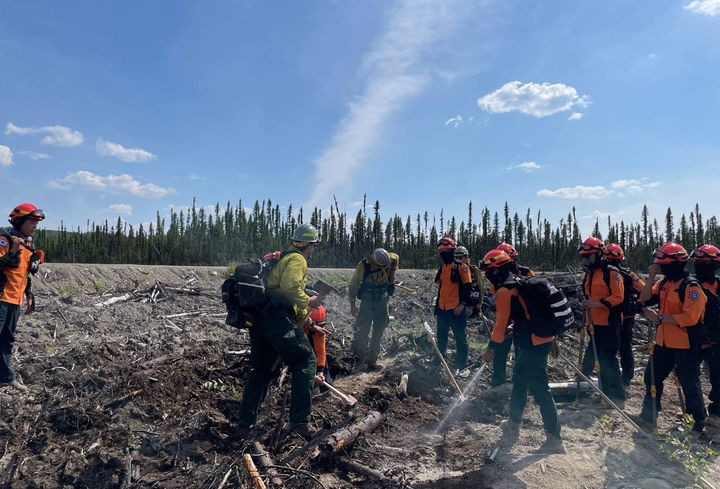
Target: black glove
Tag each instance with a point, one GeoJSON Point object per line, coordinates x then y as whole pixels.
{"type": "Point", "coordinates": [391, 289]}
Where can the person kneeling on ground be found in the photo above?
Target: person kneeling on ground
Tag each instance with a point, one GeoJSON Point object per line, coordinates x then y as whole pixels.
{"type": "Point", "coordinates": [314, 329]}
{"type": "Point", "coordinates": [530, 373]}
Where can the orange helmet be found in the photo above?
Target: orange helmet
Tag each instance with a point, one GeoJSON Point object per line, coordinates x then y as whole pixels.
{"type": "Point", "coordinates": [705, 254]}
{"type": "Point", "coordinates": [591, 245]}
{"type": "Point", "coordinates": [318, 315]}
{"type": "Point", "coordinates": [670, 253]}
{"type": "Point", "coordinates": [447, 243]}
{"type": "Point", "coordinates": [495, 258]}
{"type": "Point", "coordinates": [509, 249]}
{"type": "Point", "coordinates": [27, 211]}
{"type": "Point", "coordinates": [613, 251]}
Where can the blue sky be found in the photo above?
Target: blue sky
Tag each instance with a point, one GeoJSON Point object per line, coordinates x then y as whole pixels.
{"type": "Point", "coordinates": [125, 108]}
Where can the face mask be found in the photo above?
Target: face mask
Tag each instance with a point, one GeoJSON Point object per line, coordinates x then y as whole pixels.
{"type": "Point", "coordinates": [588, 261]}
{"type": "Point", "coordinates": [447, 256]}
{"type": "Point", "coordinates": [673, 271]}
{"type": "Point", "coordinates": [705, 271]}
{"type": "Point", "coordinates": [497, 277]}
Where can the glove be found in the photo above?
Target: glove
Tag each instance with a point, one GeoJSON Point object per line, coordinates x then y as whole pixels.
{"type": "Point", "coordinates": [391, 289]}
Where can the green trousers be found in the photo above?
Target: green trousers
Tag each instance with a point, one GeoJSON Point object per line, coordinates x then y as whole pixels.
{"type": "Point", "coordinates": [373, 314]}
{"type": "Point", "coordinates": [278, 334]}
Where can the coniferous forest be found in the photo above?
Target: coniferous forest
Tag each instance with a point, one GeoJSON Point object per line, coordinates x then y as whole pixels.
{"type": "Point", "coordinates": [196, 237]}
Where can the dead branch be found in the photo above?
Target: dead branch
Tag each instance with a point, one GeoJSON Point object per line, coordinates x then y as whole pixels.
{"type": "Point", "coordinates": [265, 462]}
{"type": "Point", "coordinates": [121, 400]}
{"type": "Point", "coordinates": [225, 479]}
{"type": "Point", "coordinates": [253, 472]}
{"type": "Point", "coordinates": [402, 386]}
{"type": "Point", "coordinates": [114, 300]}
{"type": "Point", "coordinates": [359, 468]}
{"type": "Point", "coordinates": [8, 466]}
{"type": "Point", "coordinates": [346, 436]}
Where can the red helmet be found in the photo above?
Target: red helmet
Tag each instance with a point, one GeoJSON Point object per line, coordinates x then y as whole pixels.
{"type": "Point", "coordinates": [591, 245]}
{"type": "Point", "coordinates": [706, 253]}
{"type": "Point", "coordinates": [509, 249]}
{"type": "Point", "coordinates": [272, 256]}
{"type": "Point", "coordinates": [495, 258]}
{"type": "Point", "coordinates": [613, 251]}
{"type": "Point", "coordinates": [670, 253]}
{"type": "Point", "coordinates": [447, 243]}
{"type": "Point", "coordinates": [318, 315]}
{"type": "Point", "coordinates": [27, 211]}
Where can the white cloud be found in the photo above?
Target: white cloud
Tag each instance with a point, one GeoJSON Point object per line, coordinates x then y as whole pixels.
{"type": "Point", "coordinates": [576, 116]}
{"type": "Point", "coordinates": [115, 184]}
{"type": "Point", "coordinates": [527, 166]}
{"type": "Point", "coordinates": [706, 7]}
{"type": "Point", "coordinates": [121, 208]}
{"type": "Point", "coordinates": [652, 56]}
{"type": "Point", "coordinates": [54, 135]}
{"type": "Point", "coordinates": [130, 155]}
{"type": "Point", "coordinates": [6, 156]}
{"type": "Point", "coordinates": [535, 99]}
{"type": "Point", "coordinates": [633, 185]}
{"type": "Point", "coordinates": [395, 73]}
{"type": "Point", "coordinates": [454, 121]}
{"type": "Point", "coordinates": [577, 192]}
{"type": "Point", "coordinates": [195, 176]}
{"type": "Point", "coordinates": [34, 156]}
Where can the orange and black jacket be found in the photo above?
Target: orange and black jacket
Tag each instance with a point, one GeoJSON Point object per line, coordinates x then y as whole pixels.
{"type": "Point", "coordinates": [510, 306]}
{"type": "Point", "coordinates": [318, 344]}
{"type": "Point", "coordinates": [610, 294]}
{"type": "Point", "coordinates": [15, 268]}
{"type": "Point", "coordinates": [455, 283]}
{"type": "Point", "coordinates": [686, 312]}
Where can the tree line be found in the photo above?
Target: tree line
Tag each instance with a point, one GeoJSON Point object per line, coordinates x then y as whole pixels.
{"type": "Point", "coordinates": [197, 237]}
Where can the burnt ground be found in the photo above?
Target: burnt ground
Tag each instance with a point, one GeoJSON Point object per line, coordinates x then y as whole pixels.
{"type": "Point", "coordinates": [123, 396]}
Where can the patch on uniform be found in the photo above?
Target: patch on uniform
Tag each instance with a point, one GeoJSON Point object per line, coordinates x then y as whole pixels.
{"type": "Point", "coordinates": [3, 242]}
{"type": "Point", "coordinates": [618, 277]}
{"type": "Point", "coordinates": [465, 269]}
{"type": "Point", "coordinates": [694, 295]}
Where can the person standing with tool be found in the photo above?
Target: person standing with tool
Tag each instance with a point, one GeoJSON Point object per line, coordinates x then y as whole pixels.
{"type": "Point", "coordinates": [633, 285]}
{"type": "Point", "coordinates": [499, 373]}
{"type": "Point", "coordinates": [680, 334]}
{"type": "Point", "coordinates": [279, 333]}
{"type": "Point", "coordinates": [474, 305]}
{"type": "Point", "coordinates": [373, 283]}
{"type": "Point", "coordinates": [18, 260]}
{"type": "Point", "coordinates": [604, 293]}
{"type": "Point", "coordinates": [530, 372]}
{"type": "Point", "coordinates": [314, 329]}
{"type": "Point", "coordinates": [454, 288]}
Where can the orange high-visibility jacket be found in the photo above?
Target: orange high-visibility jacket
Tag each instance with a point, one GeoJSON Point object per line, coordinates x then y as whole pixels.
{"type": "Point", "coordinates": [597, 290]}
{"type": "Point", "coordinates": [16, 277]}
{"type": "Point", "coordinates": [686, 313]}
{"type": "Point", "coordinates": [449, 295]}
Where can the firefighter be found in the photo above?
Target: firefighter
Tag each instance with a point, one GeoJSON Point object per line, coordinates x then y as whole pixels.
{"type": "Point", "coordinates": [455, 285]}
{"type": "Point", "coordinates": [502, 351]}
{"type": "Point", "coordinates": [530, 372]}
{"type": "Point", "coordinates": [278, 333]}
{"type": "Point", "coordinates": [18, 260]}
{"type": "Point", "coordinates": [707, 259]}
{"type": "Point", "coordinates": [478, 283]}
{"type": "Point", "coordinates": [315, 331]}
{"type": "Point", "coordinates": [681, 303]}
{"type": "Point", "coordinates": [633, 284]}
{"type": "Point", "coordinates": [373, 282]}
{"type": "Point", "coordinates": [604, 294]}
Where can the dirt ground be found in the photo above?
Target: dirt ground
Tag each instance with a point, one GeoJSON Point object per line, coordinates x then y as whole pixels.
{"type": "Point", "coordinates": [121, 395]}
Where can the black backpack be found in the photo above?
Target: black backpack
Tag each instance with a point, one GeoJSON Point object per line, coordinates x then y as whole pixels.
{"type": "Point", "coordinates": [244, 292]}
{"type": "Point", "coordinates": [630, 305]}
{"type": "Point", "coordinates": [475, 292]}
{"type": "Point", "coordinates": [615, 313]}
{"type": "Point", "coordinates": [549, 311]}
{"type": "Point", "coordinates": [702, 332]}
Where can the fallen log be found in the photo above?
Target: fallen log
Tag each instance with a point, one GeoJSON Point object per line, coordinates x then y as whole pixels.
{"type": "Point", "coordinates": [266, 463]}
{"type": "Point", "coordinates": [359, 468]}
{"type": "Point", "coordinates": [114, 300]}
{"type": "Point", "coordinates": [257, 482]}
{"type": "Point", "coordinates": [8, 465]}
{"type": "Point", "coordinates": [299, 452]}
{"type": "Point", "coordinates": [347, 436]}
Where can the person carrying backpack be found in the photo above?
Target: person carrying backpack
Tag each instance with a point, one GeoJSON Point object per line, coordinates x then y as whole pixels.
{"type": "Point", "coordinates": [633, 285]}
{"type": "Point", "coordinates": [278, 332]}
{"type": "Point", "coordinates": [474, 305]}
{"type": "Point", "coordinates": [680, 334]}
{"type": "Point", "coordinates": [373, 283]}
{"type": "Point", "coordinates": [455, 285]}
{"type": "Point", "coordinates": [604, 294]}
{"type": "Point", "coordinates": [707, 259]}
{"type": "Point", "coordinates": [18, 260]}
{"type": "Point", "coordinates": [530, 372]}
{"type": "Point", "coordinates": [314, 329]}
{"type": "Point", "coordinates": [499, 373]}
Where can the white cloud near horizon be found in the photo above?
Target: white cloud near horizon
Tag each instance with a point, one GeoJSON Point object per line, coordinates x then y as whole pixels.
{"type": "Point", "coordinates": [33, 155]}
{"type": "Point", "coordinates": [54, 135]}
{"type": "Point", "coordinates": [128, 155]}
{"type": "Point", "coordinates": [395, 73]}
{"type": "Point", "coordinates": [6, 156]}
{"type": "Point", "coordinates": [581, 192]}
{"type": "Point", "coordinates": [710, 8]}
{"type": "Point", "coordinates": [526, 166]}
{"type": "Point", "coordinates": [535, 99]}
{"type": "Point", "coordinates": [121, 208]}
{"type": "Point", "coordinates": [576, 116]}
{"type": "Point", "coordinates": [114, 184]}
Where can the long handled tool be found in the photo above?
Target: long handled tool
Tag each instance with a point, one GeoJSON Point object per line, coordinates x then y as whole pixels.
{"type": "Point", "coordinates": [653, 389]}
{"type": "Point", "coordinates": [430, 336]}
{"type": "Point", "coordinates": [345, 397]}
{"type": "Point", "coordinates": [681, 398]}
{"type": "Point", "coordinates": [591, 328]}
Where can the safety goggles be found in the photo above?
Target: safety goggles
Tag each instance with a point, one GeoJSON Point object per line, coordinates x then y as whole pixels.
{"type": "Point", "coordinates": [662, 255]}
{"type": "Point", "coordinates": [587, 247]}
{"type": "Point", "coordinates": [703, 255]}
{"type": "Point", "coordinates": [37, 214]}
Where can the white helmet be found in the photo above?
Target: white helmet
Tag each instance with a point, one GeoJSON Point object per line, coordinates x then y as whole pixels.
{"type": "Point", "coordinates": [381, 257]}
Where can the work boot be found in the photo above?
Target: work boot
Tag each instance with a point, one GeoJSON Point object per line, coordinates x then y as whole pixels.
{"type": "Point", "coordinates": [713, 420]}
{"type": "Point", "coordinates": [306, 430]}
{"type": "Point", "coordinates": [510, 433]}
{"type": "Point", "coordinates": [240, 432]}
{"type": "Point", "coordinates": [553, 444]}
{"type": "Point", "coordinates": [373, 367]}
{"type": "Point", "coordinates": [463, 374]}
{"type": "Point", "coordinates": [18, 385]}
{"type": "Point", "coordinates": [647, 417]}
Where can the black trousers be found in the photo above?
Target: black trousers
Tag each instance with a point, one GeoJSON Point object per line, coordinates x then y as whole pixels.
{"type": "Point", "coordinates": [530, 375]}
{"type": "Point", "coordinates": [686, 363]}
{"type": "Point", "coordinates": [627, 360]}
{"type": "Point", "coordinates": [499, 374]}
{"type": "Point", "coordinates": [607, 339]}
{"type": "Point", "coordinates": [447, 320]}
{"type": "Point", "coordinates": [8, 322]}
{"type": "Point", "coordinates": [712, 357]}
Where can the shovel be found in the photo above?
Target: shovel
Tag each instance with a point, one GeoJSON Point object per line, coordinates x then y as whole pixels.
{"type": "Point", "coordinates": [430, 336]}
{"type": "Point", "coordinates": [345, 397]}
